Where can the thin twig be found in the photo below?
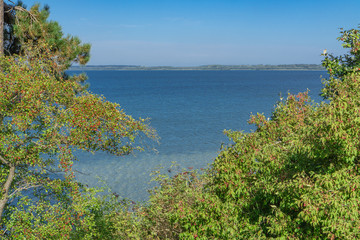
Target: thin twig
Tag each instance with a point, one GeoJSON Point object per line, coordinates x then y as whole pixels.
{"type": "Point", "coordinates": [26, 187]}
{"type": "Point", "coordinates": [4, 161]}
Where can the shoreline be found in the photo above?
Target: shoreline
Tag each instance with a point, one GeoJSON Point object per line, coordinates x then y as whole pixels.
{"type": "Point", "coordinates": [290, 67]}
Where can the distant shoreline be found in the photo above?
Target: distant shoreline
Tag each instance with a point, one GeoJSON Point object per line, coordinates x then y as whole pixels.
{"type": "Point", "coordinates": [285, 67]}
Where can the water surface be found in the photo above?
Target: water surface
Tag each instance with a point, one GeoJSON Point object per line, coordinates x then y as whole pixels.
{"type": "Point", "coordinates": [189, 110]}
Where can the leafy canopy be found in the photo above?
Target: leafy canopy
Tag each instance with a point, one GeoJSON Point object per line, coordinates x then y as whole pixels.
{"type": "Point", "coordinates": [44, 119]}
{"type": "Point", "coordinates": [45, 116]}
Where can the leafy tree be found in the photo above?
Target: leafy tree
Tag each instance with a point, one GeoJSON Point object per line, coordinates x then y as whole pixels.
{"type": "Point", "coordinates": [44, 119]}
{"type": "Point", "coordinates": [339, 66]}
{"type": "Point", "coordinates": [45, 116]}
{"type": "Point", "coordinates": [296, 177]}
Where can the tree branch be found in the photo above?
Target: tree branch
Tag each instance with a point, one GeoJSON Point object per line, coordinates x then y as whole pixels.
{"type": "Point", "coordinates": [3, 160]}
{"type": "Point", "coordinates": [24, 10]}
{"type": "Point", "coordinates": [39, 144]}
{"type": "Point", "coordinates": [25, 187]}
{"type": "Point", "coordinates": [6, 189]}
{"type": "Point", "coordinates": [20, 9]}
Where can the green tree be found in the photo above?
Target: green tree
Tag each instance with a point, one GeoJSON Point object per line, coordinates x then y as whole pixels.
{"type": "Point", "coordinates": [44, 117]}
{"type": "Point", "coordinates": [339, 66]}
{"type": "Point", "coordinates": [22, 26]}
{"type": "Point", "coordinates": [8, 41]}
{"type": "Point", "coordinates": [33, 26]}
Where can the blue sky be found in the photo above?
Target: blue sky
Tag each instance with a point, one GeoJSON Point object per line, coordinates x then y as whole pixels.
{"type": "Point", "coordinates": [199, 32]}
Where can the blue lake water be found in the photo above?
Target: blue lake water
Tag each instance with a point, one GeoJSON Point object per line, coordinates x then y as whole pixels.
{"type": "Point", "coordinates": [189, 110]}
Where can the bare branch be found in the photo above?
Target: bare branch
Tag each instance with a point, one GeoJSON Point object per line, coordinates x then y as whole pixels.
{"type": "Point", "coordinates": [39, 144]}
{"type": "Point", "coordinates": [3, 160]}
{"type": "Point", "coordinates": [11, 2]}
{"type": "Point", "coordinates": [33, 18]}
{"type": "Point", "coordinates": [25, 187]}
{"type": "Point", "coordinates": [24, 10]}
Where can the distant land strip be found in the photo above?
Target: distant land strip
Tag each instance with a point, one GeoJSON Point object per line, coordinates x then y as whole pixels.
{"type": "Point", "coordinates": [260, 67]}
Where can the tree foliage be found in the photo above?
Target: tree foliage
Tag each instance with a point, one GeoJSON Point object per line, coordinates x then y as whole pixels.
{"type": "Point", "coordinates": [339, 66]}
{"type": "Point", "coordinates": [45, 116]}
{"type": "Point", "coordinates": [44, 119]}
{"type": "Point", "coordinates": [32, 26]}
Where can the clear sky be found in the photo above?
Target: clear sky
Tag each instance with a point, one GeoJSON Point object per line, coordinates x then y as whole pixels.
{"type": "Point", "coordinates": [200, 32]}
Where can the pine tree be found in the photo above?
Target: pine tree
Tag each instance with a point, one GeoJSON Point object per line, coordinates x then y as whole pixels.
{"type": "Point", "coordinates": [23, 27]}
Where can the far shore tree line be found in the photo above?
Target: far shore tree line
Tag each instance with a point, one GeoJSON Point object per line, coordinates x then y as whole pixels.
{"type": "Point", "coordinates": [259, 67]}
{"type": "Point", "coordinates": [297, 176]}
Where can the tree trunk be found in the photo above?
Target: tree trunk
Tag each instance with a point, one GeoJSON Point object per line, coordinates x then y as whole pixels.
{"type": "Point", "coordinates": [1, 28]}
{"type": "Point", "coordinates": [6, 190]}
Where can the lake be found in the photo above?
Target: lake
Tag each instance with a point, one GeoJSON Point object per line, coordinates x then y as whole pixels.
{"type": "Point", "coordinates": [189, 110]}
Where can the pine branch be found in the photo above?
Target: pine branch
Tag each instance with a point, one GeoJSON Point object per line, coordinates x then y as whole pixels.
{"type": "Point", "coordinates": [18, 8]}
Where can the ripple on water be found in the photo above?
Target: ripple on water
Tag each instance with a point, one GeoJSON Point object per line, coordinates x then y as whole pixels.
{"type": "Point", "coordinates": [129, 176]}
